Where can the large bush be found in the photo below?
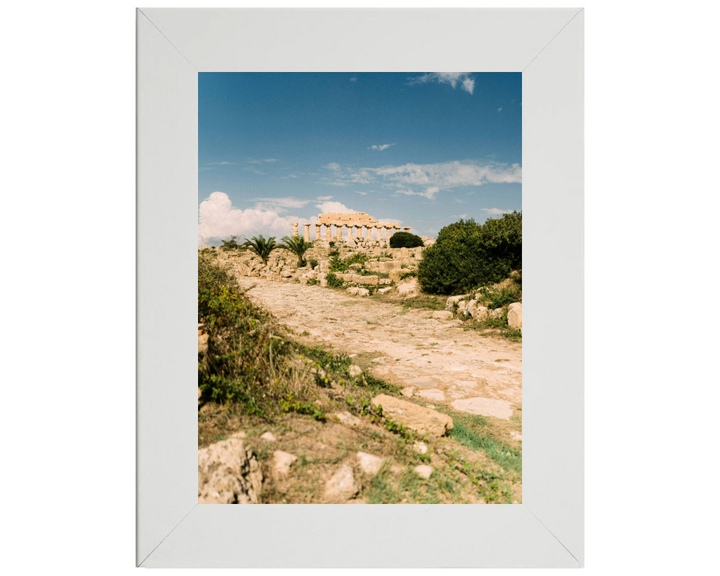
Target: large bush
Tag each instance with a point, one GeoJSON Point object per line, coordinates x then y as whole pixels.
{"type": "Point", "coordinates": [467, 255]}
{"type": "Point", "coordinates": [405, 240]}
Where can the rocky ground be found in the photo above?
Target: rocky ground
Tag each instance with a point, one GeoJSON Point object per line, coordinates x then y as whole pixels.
{"type": "Point", "coordinates": [437, 360]}
{"type": "Point", "coordinates": [458, 395]}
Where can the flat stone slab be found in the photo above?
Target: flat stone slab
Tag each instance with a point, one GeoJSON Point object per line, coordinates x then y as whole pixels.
{"type": "Point", "coordinates": [418, 418]}
{"type": "Point", "coordinates": [432, 394]}
{"type": "Point", "coordinates": [485, 407]}
{"type": "Point", "coordinates": [422, 382]}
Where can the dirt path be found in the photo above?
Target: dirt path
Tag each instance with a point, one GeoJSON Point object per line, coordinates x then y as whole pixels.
{"type": "Point", "coordinates": [435, 359]}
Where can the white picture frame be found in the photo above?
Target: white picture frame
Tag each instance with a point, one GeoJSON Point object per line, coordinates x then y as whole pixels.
{"type": "Point", "coordinates": [546, 45]}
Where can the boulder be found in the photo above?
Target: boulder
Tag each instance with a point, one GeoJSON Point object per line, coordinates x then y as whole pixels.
{"type": "Point", "coordinates": [281, 463]}
{"type": "Point", "coordinates": [479, 313]}
{"type": "Point", "coordinates": [450, 304]}
{"type": "Point", "coordinates": [442, 315]}
{"type": "Point", "coordinates": [367, 280]}
{"type": "Point", "coordinates": [385, 290]}
{"type": "Point", "coordinates": [485, 407]}
{"type": "Point", "coordinates": [515, 316]}
{"type": "Point", "coordinates": [410, 288]}
{"type": "Point", "coordinates": [369, 464]}
{"type": "Point", "coordinates": [418, 418]}
{"type": "Point", "coordinates": [363, 292]}
{"type": "Point", "coordinates": [420, 447]}
{"type": "Point", "coordinates": [355, 370]}
{"type": "Point", "coordinates": [341, 486]}
{"type": "Point", "coordinates": [348, 419]}
{"type": "Point", "coordinates": [424, 471]}
{"type": "Point", "coordinates": [353, 290]}
{"type": "Point", "coordinates": [228, 473]}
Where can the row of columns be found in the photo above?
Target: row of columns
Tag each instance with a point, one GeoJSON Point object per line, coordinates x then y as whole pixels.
{"type": "Point", "coordinates": [389, 230]}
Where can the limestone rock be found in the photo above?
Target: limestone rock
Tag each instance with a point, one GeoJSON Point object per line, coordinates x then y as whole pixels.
{"type": "Point", "coordinates": [411, 288]}
{"type": "Point", "coordinates": [479, 313]}
{"type": "Point", "coordinates": [418, 418]}
{"type": "Point", "coordinates": [367, 280]}
{"type": "Point", "coordinates": [355, 370]}
{"type": "Point", "coordinates": [442, 315]}
{"type": "Point", "coordinates": [348, 419]}
{"type": "Point", "coordinates": [281, 463]}
{"type": "Point", "coordinates": [420, 447]}
{"type": "Point", "coordinates": [424, 471]}
{"type": "Point", "coordinates": [450, 304]}
{"type": "Point", "coordinates": [515, 316]}
{"type": "Point", "coordinates": [269, 436]}
{"type": "Point", "coordinates": [228, 473]}
{"type": "Point", "coordinates": [353, 290]}
{"type": "Point", "coordinates": [384, 290]}
{"type": "Point", "coordinates": [369, 464]}
{"type": "Point", "coordinates": [407, 392]}
{"type": "Point", "coordinates": [497, 313]}
{"type": "Point", "coordinates": [363, 292]}
{"type": "Point", "coordinates": [341, 486]}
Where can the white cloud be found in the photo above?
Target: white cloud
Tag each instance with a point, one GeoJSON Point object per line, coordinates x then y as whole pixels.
{"type": "Point", "coordinates": [254, 170]}
{"type": "Point", "coordinates": [218, 163]}
{"type": "Point", "coordinates": [217, 219]}
{"type": "Point", "coordinates": [500, 109]}
{"type": "Point", "coordinates": [467, 82]}
{"type": "Point", "coordinates": [254, 161]}
{"type": "Point", "coordinates": [324, 198]}
{"type": "Point", "coordinates": [380, 147]}
{"type": "Point", "coordinates": [496, 211]}
{"type": "Point", "coordinates": [429, 193]}
{"type": "Point", "coordinates": [334, 166]}
{"type": "Point", "coordinates": [361, 193]}
{"type": "Point", "coordinates": [334, 207]}
{"type": "Point", "coordinates": [353, 79]}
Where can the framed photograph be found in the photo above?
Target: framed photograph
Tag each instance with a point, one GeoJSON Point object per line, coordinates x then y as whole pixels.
{"type": "Point", "coordinates": [342, 202]}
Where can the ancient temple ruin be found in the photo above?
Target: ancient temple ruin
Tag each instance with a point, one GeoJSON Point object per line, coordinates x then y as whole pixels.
{"type": "Point", "coordinates": [354, 222]}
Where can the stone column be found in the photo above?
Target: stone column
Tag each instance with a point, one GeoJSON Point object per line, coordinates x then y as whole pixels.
{"type": "Point", "coordinates": [368, 232]}
{"type": "Point", "coordinates": [295, 229]}
{"type": "Point", "coordinates": [406, 228]}
{"type": "Point", "coordinates": [317, 231]}
{"type": "Point", "coordinates": [328, 232]}
{"type": "Point", "coordinates": [389, 232]}
{"type": "Point", "coordinates": [396, 229]}
{"type": "Point", "coordinates": [339, 228]}
{"type": "Point", "coordinates": [307, 232]}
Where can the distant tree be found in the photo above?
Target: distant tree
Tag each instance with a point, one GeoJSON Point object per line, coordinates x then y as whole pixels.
{"type": "Point", "coordinates": [297, 246]}
{"type": "Point", "coordinates": [262, 247]}
{"type": "Point", "coordinates": [405, 240]}
{"type": "Point", "coordinates": [230, 244]}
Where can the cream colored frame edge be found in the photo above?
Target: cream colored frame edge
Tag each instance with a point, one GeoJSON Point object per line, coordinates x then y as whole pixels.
{"type": "Point", "coordinates": [173, 45]}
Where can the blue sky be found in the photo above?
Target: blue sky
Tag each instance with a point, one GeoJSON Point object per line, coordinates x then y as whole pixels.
{"type": "Point", "coordinates": [422, 149]}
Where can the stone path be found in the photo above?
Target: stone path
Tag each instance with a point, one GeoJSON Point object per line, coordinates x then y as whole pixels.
{"type": "Point", "coordinates": [434, 359]}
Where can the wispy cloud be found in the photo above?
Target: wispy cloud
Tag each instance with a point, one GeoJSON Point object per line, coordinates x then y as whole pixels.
{"type": "Point", "coordinates": [465, 79]}
{"type": "Point", "coordinates": [218, 163]}
{"type": "Point", "coordinates": [496, 211]}
{"type": "Point", "coordinates": [254, 170]}
{"type": "Point", "coordinates": [255, 161]}
{"type": "Point", "coordinates": [279, 205]}
{"type": "Point", "coordinates": [361, 193]}
{"type": "Point", "coordinates": [353, 79]}
{"type": "Point", "coordinates": [380, 147]}
{"type": "Point", "coordinates": [429, 178]}
{"type": "Point", "coordinates": [323, 198]}
{"type": "Point", "coordinates": [500, 109]}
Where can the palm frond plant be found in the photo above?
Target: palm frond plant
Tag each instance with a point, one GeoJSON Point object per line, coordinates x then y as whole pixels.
{"type": "Point", "coordinates": [297, 246]}
{"type": "Point", "coordinates": [262, 247]}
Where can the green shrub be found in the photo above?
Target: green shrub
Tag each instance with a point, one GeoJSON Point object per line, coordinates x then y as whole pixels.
{"type": "Point", "coordinates": [338, 264]}
{"type": "Point", "coordinates": [467, 254]}
{"type": "Point", "coordinates": [405, 240]}
{"type": "Point", "coordinates": [333, 281]}
{"type": "Point", "coordinates": [313, 262]}
{"type": "Point", "coordinates": [230, 244]}
{"type": "Point", "coordinates": [242, 342]}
